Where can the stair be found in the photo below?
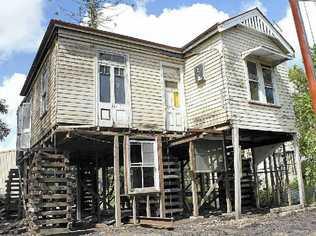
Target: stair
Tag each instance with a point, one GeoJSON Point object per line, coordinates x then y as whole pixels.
{"type": "Point", "coordinates": [13, 204]}
{"type": "Point", "coordinates": [172, 185]}
{"type": "Point", "coordinates": [247, 179]}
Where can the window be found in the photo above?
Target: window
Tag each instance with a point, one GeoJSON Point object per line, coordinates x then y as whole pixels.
{"type": "Point", "coordinates": [105, 85]}
{"type": "Point", "coordinates": [143, 165]}
{"type": "Point", "coordinates": [261, 82]}
{"type": "Point", "coordinates": [253, 80]}
{"type": "Point", "coordinates": [44, 90]}
{"type": "Point", "coordinates": [268, 84]}
{"type": "Point", "coordinates": [119, 85]}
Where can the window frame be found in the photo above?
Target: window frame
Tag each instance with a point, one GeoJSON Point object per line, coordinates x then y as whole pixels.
{"type": "Point", "coordinates": [44, 92]}
{"type": "Point", "coordinates": [261, 85]}
{"type": "Point", "coordinates": [156, 187]}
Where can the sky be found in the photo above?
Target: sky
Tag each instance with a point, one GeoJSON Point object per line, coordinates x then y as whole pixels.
{"type": "Point", "coordinates": [176, 22]}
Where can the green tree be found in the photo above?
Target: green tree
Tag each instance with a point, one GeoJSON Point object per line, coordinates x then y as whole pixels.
{"type": "Point", "coordinates": [4, 130]}
{"type": "Point", "coordinates": [305, 121]}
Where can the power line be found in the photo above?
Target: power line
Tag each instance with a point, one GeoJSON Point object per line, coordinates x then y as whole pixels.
{"type": "Point", "coordinates": [308, 21]}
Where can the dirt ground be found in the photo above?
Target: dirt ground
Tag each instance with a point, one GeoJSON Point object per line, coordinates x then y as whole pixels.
{"type": "Point", "coordinates": [294, 223]}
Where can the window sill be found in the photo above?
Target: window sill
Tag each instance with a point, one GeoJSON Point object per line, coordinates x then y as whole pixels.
{"type": "Point", "coordinates": [144, 190]}
{"type": "Point", "coordinates": [264, 104]}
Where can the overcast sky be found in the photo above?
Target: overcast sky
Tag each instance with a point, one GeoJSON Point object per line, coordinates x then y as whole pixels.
{"type": "Point", "coordinates": [23, 23]}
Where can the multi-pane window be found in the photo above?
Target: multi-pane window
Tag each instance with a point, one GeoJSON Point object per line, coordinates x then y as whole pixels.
{"type": "Point", "coordinates": [44, 92]}
{"type": "Point", "coordinates": [105, 84]}
{"type": "Point", "coordinates": [261, 82]}
{"type": "Point", "coordinates": [268, 84]}
{"type": "Point", "coordinates": [143, 167]}
{"type": "Point", "coordinates": [119, 85]}
{"type": "Point", "coordinates": [253, 80]}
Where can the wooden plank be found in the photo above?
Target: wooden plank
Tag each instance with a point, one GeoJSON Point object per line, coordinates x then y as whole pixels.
{"type": "Point", "coordinates": [226, 180]}
{"type": "Point", "coordinates": [148, 211]}
{"type": "Point", "coordinates": [237, 171]}
{"type": "Point", "coordinates": [162, 206]}
{"type": "Point", "coordinates": [272, 181]}
{"type": "Point", "coordinates": [194, 180]}
{"type": "Point", "coordinates": [156, 222]}
{"type": "Point", "coordinates": [117, 196]}
{"type": "Point", "coordinates": [287, 180]}
{"type": "Point", "coordinates": [134, 210]}
{"type": "Point", "coordinates": [126, 161]}
{"type": "Point", "coordinates": [299, 170]}
{"type": "Point", "coordinates": [256, 182]}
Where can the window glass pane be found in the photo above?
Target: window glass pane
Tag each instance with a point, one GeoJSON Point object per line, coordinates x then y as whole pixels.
{"type": "Point", "coordinates": [105, 88]}
{"type": "Point", "coordinates": [252, 71]}
{"type": "Point", "coordinates": [136, 152]}
{"type": "Point", "coordinates": [171, 84]}
{"type": "Point", "coordinates": [112, 57]}
{"type": "Point", "coordinates": [149, 177]}
{"type": "Point", "coordinates": [269, 95]}
{"type": "Point", "coordinates": [136, 177]}
{"type": "Point", "coordinates": [267, 76]}
{"type": "Point", "coordinates": [148, 154]}
{"type": "Point", "coordinates": [254, 90]}
{"type": "Point", "coordinates": [119, 86]}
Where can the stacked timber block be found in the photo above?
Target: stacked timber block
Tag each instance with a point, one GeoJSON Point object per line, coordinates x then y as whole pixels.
{"type": "Point", "coordinates": [172, 185]}
{"type": "Point", "coordinates": [13, 195]}
{"type": "Point", "coordinates": [50, 193]}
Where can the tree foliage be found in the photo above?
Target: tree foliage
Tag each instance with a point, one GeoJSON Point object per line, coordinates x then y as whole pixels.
{"type": "Point", "coordinates": [4, 130]}
{"type": "Point", "coordinates": [305, 120]}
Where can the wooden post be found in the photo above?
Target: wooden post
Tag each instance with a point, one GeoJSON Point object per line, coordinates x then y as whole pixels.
{"type": "Point", "coordinates": [148, 211]}
{"type": "Point", "coordinates": [117, 194]}
{"type": "Point", "coordinates": [226, 181]}
{"type": "Point", "coordinates": [266, 179]}
{"type": "Point", "coordinates": [134, 210]}
{"type": "Point", "coordinates": [126, 160]}
{"type": "Point", "coordinates": [287, 181]}
{"type": "Point", "coordinates": [237, 171]}
{"type": "Point", "coordinates": [78, 192]}
{"type": "Point", "coordinates": [161, 178]}
{"type": "Point", "coordinates": [299, 170]}
{"type": "Point", "coordinates": [104, 183]}
{"type": "Point", "coordinates": [272, 181]}
{"type": "Point", "coordinates": [255, 174]}
{"type": "Point", "coordinates": [195, 200]}
{"type": "Point", "coordinates": [277, 180]}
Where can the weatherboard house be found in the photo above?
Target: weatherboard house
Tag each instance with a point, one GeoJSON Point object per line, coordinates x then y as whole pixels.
{"type": "Point", "coordinates": [117, 126]}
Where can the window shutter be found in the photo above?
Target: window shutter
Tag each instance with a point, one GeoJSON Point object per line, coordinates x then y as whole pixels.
{"type": "Point", "coordinates": [26, 125]}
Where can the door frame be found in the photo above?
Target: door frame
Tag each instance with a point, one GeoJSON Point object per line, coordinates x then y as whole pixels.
{"type": "Point", "coordinates": [127, 84]}
{"type": "Point", "coordinates": [181, 93]}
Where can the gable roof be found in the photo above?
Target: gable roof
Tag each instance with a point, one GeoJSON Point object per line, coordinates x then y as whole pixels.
{"type": "Point", "coordinates": [253, 18]}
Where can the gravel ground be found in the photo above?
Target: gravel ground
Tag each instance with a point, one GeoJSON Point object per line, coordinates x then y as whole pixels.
{"type": "Point", "coordinates": [294, 223]}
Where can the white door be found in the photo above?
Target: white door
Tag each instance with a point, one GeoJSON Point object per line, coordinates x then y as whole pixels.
{"type": "Point", "coordinates": [174, 121]}
{"type": "Point", "coordinates": [113, 108]}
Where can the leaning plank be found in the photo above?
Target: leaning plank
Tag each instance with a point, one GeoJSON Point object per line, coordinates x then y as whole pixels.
{"type": "Point", "coordinates": [156, 222]}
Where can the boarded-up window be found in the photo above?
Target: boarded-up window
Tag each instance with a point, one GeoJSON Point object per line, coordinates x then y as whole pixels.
{"type": "Point", "coordinates": [143, 166]}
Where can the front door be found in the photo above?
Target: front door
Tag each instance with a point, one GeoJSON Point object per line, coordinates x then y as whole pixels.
{"type": "Point", "coordinates": [113, 109]}
{"type": "Point", "coordinates": [174, 118]}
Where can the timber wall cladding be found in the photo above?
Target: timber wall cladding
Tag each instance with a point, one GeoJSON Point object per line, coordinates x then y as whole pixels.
{"type": "Point", "coordinates": [250, 116]}
{"type": "Point", "coordinates": [41, 125]}
{"type": "Point", "coordinates": [77, 79]}
{"type": "Point", "coordinates": [206, 101]}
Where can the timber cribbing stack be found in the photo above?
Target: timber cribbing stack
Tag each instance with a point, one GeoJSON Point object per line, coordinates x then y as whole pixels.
{"type": "Point", "coordinates": [13, 195]}
{"type": "Point", "coordinates": [50, 193]}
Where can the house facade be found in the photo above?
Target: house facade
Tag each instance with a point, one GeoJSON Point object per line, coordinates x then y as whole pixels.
{"type": "Point", "coordinates": [145, 114]}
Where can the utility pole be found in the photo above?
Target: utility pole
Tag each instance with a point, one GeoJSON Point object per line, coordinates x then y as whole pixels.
{"type": "Point", "coordinates": [305, 50]}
